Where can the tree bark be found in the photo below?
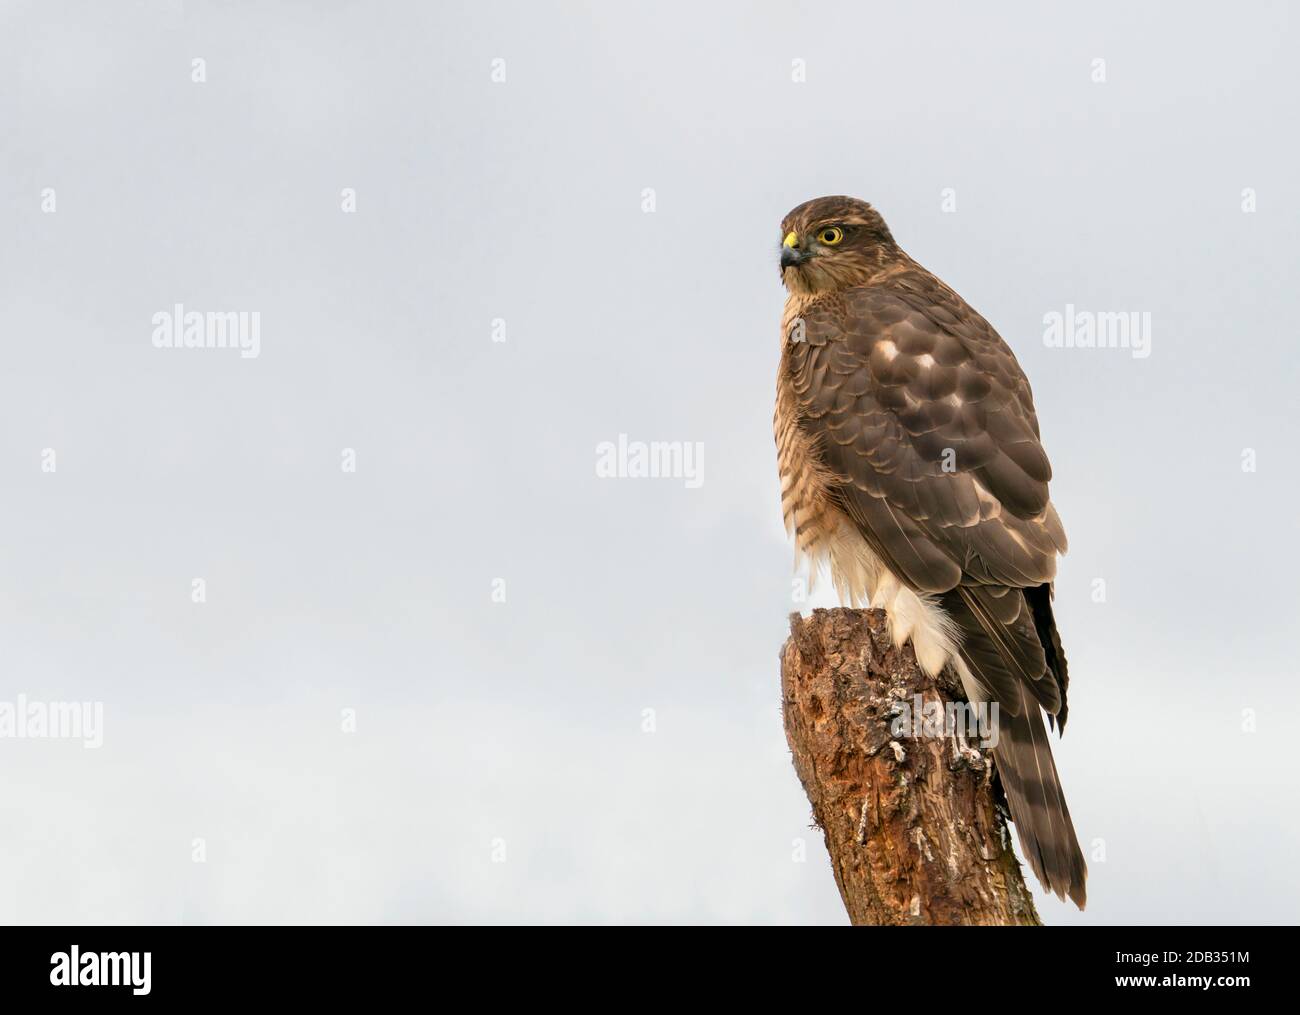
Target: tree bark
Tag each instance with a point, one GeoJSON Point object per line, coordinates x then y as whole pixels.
{"type": "Point", "coordinates": [912, 826]}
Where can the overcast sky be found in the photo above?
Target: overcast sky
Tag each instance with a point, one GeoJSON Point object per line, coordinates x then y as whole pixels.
{"type": "Point", "coordinates": [483, 239]}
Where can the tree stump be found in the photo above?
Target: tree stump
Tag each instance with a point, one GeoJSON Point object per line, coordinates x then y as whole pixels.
{"type": "Point", "coordinates": [913, 828]}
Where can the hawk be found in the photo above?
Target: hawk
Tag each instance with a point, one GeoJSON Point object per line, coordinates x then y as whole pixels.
{"type": "Point", "coordinates": [911, 466]}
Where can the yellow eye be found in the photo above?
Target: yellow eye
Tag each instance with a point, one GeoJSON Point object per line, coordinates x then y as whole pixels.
{"type": "Point", "coordinates": [830, 236]}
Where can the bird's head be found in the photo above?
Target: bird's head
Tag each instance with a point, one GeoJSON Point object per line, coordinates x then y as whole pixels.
{"type": "Point", "coordinates": [833, 243]}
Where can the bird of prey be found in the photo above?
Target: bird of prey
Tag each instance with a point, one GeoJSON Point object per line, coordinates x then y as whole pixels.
{"type": "Point", "coordinates": [911, 466]}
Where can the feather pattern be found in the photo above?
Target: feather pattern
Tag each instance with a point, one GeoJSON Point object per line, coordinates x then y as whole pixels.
{"type": "Point", "coordinates": [904, 421]}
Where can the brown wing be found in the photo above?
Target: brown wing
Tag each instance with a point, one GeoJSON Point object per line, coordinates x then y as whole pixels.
{"type": "Point", "coordinates": [922, 410]}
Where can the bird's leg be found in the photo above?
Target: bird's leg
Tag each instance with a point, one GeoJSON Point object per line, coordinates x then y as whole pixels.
{"type": "Point", "coordinates": [961, 750]}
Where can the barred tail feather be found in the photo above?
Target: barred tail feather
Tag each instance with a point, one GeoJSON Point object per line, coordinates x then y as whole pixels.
{"type": "Point", "coordinates": [1024, 761]}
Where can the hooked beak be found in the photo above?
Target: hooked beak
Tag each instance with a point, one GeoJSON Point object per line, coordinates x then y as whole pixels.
{"type": "Point", "coordinates": [791, 255]}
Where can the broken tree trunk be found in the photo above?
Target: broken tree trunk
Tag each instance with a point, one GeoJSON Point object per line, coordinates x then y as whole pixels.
{"type": "Point", "coordinates": [911, 824]}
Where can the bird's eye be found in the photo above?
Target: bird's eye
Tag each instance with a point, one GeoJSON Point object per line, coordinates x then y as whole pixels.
{"type": "Point", "coordinates": [830, 236]}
